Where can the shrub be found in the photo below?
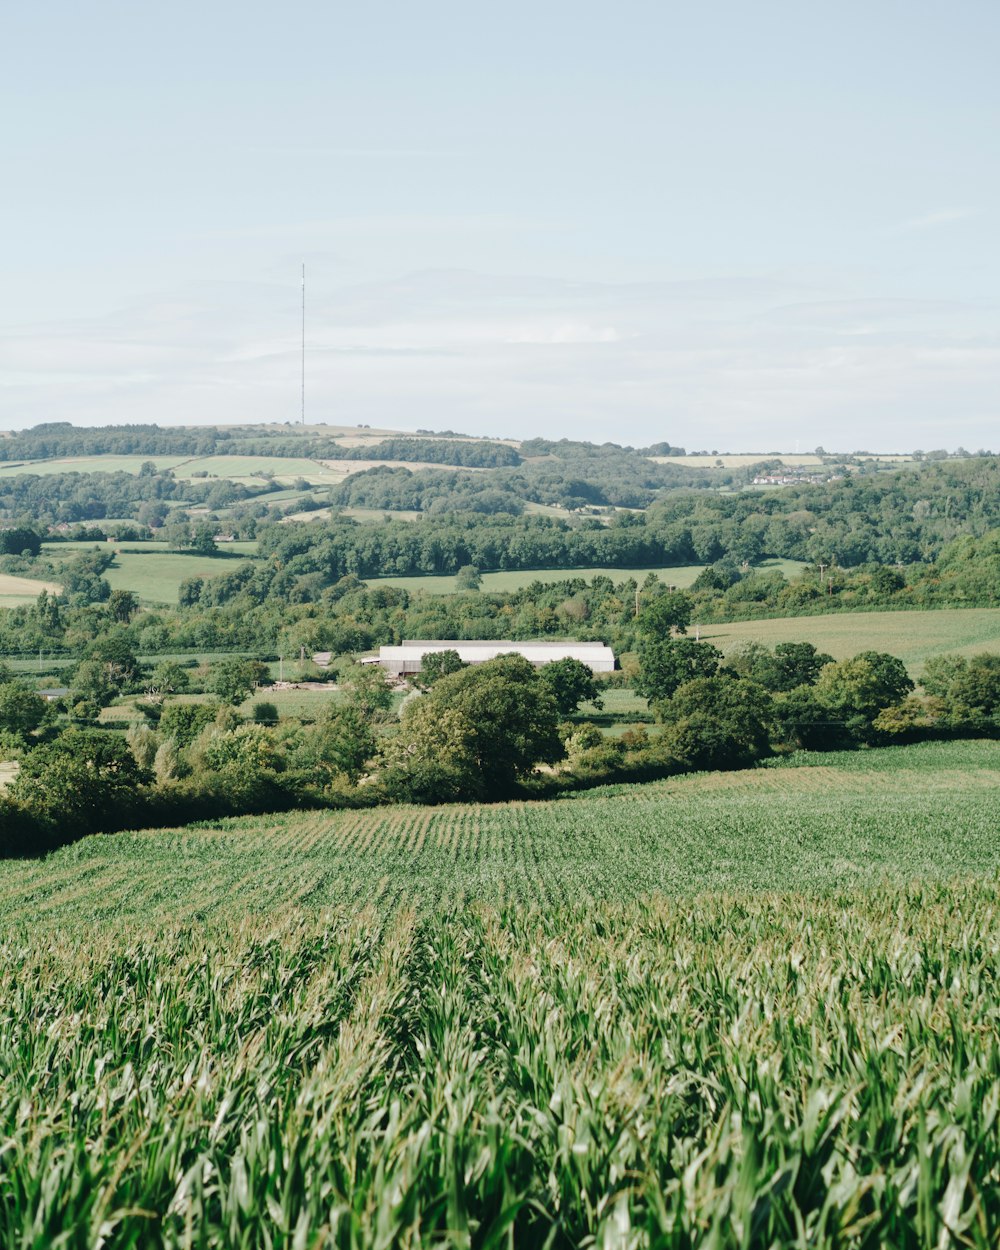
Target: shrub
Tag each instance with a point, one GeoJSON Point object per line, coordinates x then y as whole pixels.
{"type": "Point", "coordinates": [265, 713]}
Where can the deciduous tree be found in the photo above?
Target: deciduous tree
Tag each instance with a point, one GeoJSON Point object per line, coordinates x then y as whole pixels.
{"type": "Point", "coordinates": [570, 682]}
{"type": "Point", "coordinates": [667, 664]}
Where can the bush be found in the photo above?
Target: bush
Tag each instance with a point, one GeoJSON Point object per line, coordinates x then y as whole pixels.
{"type": "Point", "coordinates": [184, 721]}
{"type": "Point", "coordinates": [265, 713]}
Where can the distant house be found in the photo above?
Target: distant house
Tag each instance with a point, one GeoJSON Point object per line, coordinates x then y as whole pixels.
{"type": "Point", "coordinates": [408, 657]}
{"type": "Point", "coordinates": [53, 693]}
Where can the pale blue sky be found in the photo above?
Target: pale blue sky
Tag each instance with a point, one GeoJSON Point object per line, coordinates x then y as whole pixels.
{"type": "Point", "coordinates": [723, 224]}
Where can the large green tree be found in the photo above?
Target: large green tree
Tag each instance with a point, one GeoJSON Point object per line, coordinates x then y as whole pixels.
{"type": "Point", "coordinates": [968, 689]}
{"type": "Point", "coordinates": [511, 714]}
{"type": "Point", "coordinates": [437, 664]}
{"type": "Point", "coordinates": [123, 605]}
{"type": "Point", "coordinates": [21, 710]}
{"type": "Point", "coordinates": [168, 678]}
{"type": "Point", "coordinates": [718, 722]}
{"type": "Point", "coordinates": [859, 688]}
{"type": "Point", "coordinates": [570, 682]}
{"type": "Point", "coordinates": [433, 758]}
{"type": "Point", "coordinates": [19, 541]}
{"type": "Point", "coordinates": [664, 612]}
{"type": "Point", "coordinates": [234, 678]}
{"type": "Point", "coordinates": [339, 746]}
{"type": "Point", "coordinates": [669, 663]}
{"type": "Point", "coordinates": [85, 780]}
{"type": "Point", "coordinates": [789, 665]}
{"type": "Point", "coordinates": [181, 723]}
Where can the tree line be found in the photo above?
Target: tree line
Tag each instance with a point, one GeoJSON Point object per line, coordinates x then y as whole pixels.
{"type": "Point", "coordinates": [463, 733]}
{"type": "Point", "coordinates": [277, 606]}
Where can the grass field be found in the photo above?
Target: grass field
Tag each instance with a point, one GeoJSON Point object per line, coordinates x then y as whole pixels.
{"type": "Point", "coordinates": [586, 1022]}
{"type": "Point", "coordinates": [740, 461]}
{"type": "Point", "coordinates": [58, 550]}
{"type": "Point", "coordinates": [912, 636]}
{"type": "Point", "coordinates": [153, 570]}
{"type": "Point", "coordinates": [676, 576]}
{"type": "Point", "coordinates": [15, 590]}
{"type": "Point", "coordinates": [251, 469]}
{"type": "Point", "coordinates": [157, 579]}
{"type": "Point", "coordinates": [237, 468]}
{"type": "Point", "coordinates": [89, 464]}
{"type": "Point", "coordinates": [287, 469]}
{"type": "Point", "coordinates": [247, 469]}
{"type": "Point", "coordinates": [366, 515]}
{"type": "Point", "coordinates": [373, 514]}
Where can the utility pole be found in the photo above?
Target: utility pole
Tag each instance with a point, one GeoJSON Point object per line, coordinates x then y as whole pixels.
{"type": "Point", "coordinates": [303, 342]}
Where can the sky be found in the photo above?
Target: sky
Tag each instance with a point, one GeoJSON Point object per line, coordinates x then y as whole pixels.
{"type": "Point", "coordinates": [723, 225]}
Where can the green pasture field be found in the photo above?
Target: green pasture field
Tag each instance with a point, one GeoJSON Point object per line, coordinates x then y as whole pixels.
{"type": "Point", "coordinates": [373, 514]}
{"type": "Point", "coordinates": [681, 576]}
{"type": "Point", "coordinates": [236, 468]}
{"type": "Point", "coordinates": [303, 704]}
{"type": "Point", "coordinates": [287, 468]}
{"type": "Point", "coordinates": [741, 460]}
{"type": "Point", "coordinates": [57, 550]}
{"type": "Point", "coordinates": [89, 464]}
{"type": "Point", "coordinates": [286, 496]}
{"type": "Point", "coordinates": [620, 710]}
{"type": "Point", "coordinates": [309, 704]}
{"type": "Point", "coordinates": [402, 514]}
{"type": "Point", "coordinates": [17, 590]}
{"type": "Point", "coordinates": [250, 468]}
{"type": "Point", "coordinates": [912, 636]}
{"type": "Point", "coordinates": [549, 509]}
{"type": "Point", "coordinates": [153, 570]}
{"type": "Point", "coordinates": [157, 578]}
{"type": "Point", "coordinates": [741, 1010]}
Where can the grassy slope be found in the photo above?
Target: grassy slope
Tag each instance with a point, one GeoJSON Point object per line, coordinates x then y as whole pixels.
{"type": "Point", "coordinates": [912, 636]}
{"type": "Point", "coordinates": [88, 464]}
{"type": "Point", "coordinates": [248, 469]}
{"type": "Point", "coordinates": [152, 570]}
{"type": "Point", "coordinates": [513, 580]}
{"type": "Point", "coordinates": [15, 590]}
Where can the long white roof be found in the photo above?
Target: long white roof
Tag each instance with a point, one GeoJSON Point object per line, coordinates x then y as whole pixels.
{"type": "Point", "coordinates": [472, 650]}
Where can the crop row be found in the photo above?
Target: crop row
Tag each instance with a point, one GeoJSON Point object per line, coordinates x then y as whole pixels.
{"type": "Point", "coordinates": [761, 830]}
{"type": "Point", "coordinates": [750, 1071]}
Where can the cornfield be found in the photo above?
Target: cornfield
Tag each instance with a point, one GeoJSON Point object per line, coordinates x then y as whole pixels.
{"type": "Point", "coordinates": [702, 1014]}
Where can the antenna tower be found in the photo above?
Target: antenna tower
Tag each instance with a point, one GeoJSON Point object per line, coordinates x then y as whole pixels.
{"type": "Point", "coordinates": [303, 342]}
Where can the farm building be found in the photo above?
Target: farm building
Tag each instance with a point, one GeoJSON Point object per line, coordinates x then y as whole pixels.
{"type": "Point", "coordinates": [52, 693]}
{"type": "Point", "coordinates": [408, 657]}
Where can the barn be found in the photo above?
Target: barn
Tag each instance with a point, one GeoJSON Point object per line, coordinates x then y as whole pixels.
{"type": "Point", "coordinates": [408, 657]}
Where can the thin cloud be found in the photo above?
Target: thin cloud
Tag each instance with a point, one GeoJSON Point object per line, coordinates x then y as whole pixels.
{"type": "Point", "coordinates": [720, 363]}
{"type": "Point", "coordinates": [940, 217]}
